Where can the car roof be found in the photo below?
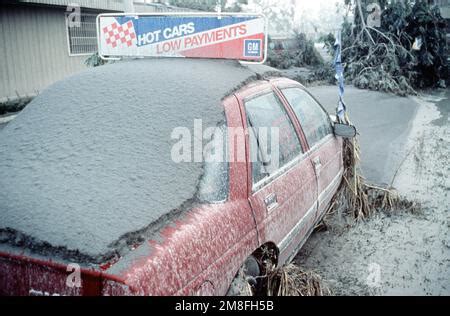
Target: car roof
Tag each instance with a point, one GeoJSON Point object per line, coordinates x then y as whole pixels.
{"type": "Point", "coordinates": [87, 165]}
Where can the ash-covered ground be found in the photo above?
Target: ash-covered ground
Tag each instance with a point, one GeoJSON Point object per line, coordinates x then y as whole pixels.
{"type": "Point", "coordinates": [399, 253]}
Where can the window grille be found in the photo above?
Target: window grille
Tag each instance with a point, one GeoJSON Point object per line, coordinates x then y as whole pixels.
{"type": "Point", "coordinates": [82, 36]}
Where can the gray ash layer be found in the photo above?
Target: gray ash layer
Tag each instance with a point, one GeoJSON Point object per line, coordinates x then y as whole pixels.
{"type": "Point", "coordinates": [88, 162]}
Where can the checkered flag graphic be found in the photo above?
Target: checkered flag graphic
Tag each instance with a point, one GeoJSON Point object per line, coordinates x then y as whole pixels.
{"type": "Point", "coordinates": [116, 34]}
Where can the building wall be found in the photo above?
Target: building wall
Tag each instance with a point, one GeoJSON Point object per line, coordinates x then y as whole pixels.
{"type": "Point", "coordinates": [33, 43]}
{"type": "Point", "coordinates": [33, 50]}
{"type": "Point", "coordinates": [117, 5]}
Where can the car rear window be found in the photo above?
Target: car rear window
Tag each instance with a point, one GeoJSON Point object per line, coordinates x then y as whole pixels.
{"type": "Point", "coordinates": [214, 184]}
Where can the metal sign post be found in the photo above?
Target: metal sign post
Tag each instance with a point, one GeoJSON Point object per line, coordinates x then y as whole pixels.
{"type": "Point", "coordinates": [195, 35]}
{"type": "Point", "coordinates": [341, 108]}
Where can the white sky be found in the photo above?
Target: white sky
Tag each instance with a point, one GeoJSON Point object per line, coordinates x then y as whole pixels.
{"type": "Point", "coordinates": [313, 8]}
{"type": "Point", "coordinates": [307, 11]}
{"type": "Point", "coordinates": [309, 14]}
{"type": "Point", "coordinates": [313, 5]}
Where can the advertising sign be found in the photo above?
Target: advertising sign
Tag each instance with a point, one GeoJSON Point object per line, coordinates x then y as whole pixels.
{"type": "Point", "coordinates": [233, 36]}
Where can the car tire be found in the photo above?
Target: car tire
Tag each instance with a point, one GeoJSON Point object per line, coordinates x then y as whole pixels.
{"type": "Point", "coordinates": [246, 278]}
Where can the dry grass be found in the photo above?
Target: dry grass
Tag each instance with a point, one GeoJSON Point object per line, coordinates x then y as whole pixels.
{"type": "Point", "coordinates": [291, 280]}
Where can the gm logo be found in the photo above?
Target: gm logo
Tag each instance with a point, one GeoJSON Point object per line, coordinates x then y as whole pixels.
{"type": "Point", "coordinates": [252, 48]}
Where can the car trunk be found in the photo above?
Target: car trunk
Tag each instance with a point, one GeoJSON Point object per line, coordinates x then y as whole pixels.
{"type": "Point", "coordinates": [22, 276]}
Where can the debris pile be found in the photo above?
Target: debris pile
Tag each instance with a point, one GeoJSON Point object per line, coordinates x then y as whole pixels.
{"type": "Point", "coordinates": [360, 199]}
{"type": "Point", "coordinates": [296, 52]}
{"type": "Point", "coordinates": [292, 280]}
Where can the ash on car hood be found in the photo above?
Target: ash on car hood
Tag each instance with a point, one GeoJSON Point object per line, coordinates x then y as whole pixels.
{"type": "Point", "coordinates": [89, 160]}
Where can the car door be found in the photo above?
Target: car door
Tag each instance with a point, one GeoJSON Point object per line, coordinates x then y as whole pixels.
{"type": "Point", "coordinates": [325, 149]}
{"type": "Point", "coordinates": [283, 189]}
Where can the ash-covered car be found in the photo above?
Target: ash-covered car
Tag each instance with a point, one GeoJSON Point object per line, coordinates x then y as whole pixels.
{"type": "Point", "coordinates": [92, 201]}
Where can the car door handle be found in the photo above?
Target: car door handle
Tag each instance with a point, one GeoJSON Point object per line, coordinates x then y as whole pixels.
{"type": "Point", "coordinates": [317, 163]}
{"type": "Point", "coordinates": [271, 201]}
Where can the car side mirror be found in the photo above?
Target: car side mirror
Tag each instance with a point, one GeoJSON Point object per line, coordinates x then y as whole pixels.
{"type": "Point", "coordinates": [344, 130]}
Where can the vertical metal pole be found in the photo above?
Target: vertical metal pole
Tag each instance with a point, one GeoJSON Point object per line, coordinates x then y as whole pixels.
{"type": "Point", "coordinates": [341, 109]}
{"type": "Point", "coordinates": [219, 9]}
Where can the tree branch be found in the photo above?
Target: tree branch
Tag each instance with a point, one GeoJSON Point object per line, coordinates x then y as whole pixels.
{"type": "Point", "coordinates": [358, 3]}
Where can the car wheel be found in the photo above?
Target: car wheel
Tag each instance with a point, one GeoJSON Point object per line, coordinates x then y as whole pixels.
{"type": "Point", "coordinates": [245, 280]}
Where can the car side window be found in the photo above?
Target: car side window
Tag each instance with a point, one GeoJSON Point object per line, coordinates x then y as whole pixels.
{"type": "Point", "coordinates": [267, 119]}
{"type": "Point", "coordinates": [313, 119]}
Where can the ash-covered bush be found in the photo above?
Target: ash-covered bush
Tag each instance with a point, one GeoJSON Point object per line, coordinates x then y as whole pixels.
{"type": "Point", "coordinates": [94, 61]}
{"type": "Point", "coordinates": [323, 73]}
{"type": "Point", "coordinates": [301, 54]}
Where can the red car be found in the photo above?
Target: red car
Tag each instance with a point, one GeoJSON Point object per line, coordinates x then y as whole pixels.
{"type": "Point", "coordinates": [91, 202]}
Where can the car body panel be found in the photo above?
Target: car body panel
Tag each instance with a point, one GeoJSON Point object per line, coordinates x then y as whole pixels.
{"type": "Point", "coordinates": [326, 156]}
{"type": "Point", "coordinates": [294, 188]}
{"type": "Point", "coordinates": [23, 275]}
{"type": "Point", "coordinates": [182, 260]}
{"type": "Point", "coordinates": [327, 160]}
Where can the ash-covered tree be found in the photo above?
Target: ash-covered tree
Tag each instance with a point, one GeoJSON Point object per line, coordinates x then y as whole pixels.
{"type": "Point", "coordinates": [210, 5]}
{"type": "Point", "coordinates": [201, 5]}
{"type": "Point", "coordinates": [300, 53]}
{"type": "Point", "coordinates": [280, 15]}
{"type": "Point", "coordinates": [406, 51]}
